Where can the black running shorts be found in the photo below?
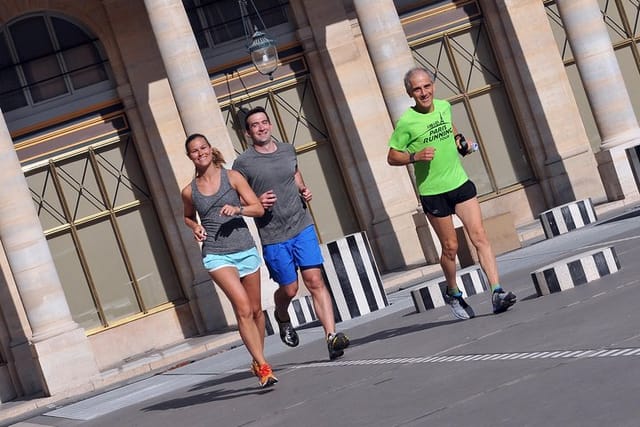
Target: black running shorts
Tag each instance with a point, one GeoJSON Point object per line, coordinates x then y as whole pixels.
{"type": "Point", "coordinates": [444, 204]}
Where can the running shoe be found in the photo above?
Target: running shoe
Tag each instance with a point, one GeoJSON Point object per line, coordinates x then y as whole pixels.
{"type": "Point", "coordinates": [459, 307]}
{"type": "Point", "coordinates": [255, 368]}
{"type": "Point", "coordinates": [288, 335]}
{"type": "Point", "coordinates": [502, 300]}
{"type": "Point", "coordinates": [336, 343]}
{"type": "Point", "coordinates": [265, 375]}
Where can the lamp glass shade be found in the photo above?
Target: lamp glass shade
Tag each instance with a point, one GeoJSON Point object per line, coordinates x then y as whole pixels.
{"type": "Point", "coordinates": [263, 53]}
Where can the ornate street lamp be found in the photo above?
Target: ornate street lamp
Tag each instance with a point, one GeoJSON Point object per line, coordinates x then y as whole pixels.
{"type": "Point", "coordinates": [262, 49]}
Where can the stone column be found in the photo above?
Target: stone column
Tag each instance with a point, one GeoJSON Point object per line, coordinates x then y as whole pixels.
{"type": "Point", "coordinates": [187, 74]}
{"type": "Point", "coordinates": [391, 57]}
{"type": "Point", "coordinates": [59, 346]}
{"type": "Point", "coordinates": [388, 49]}
{"type": "Point", "coordinates": [558, 143]}
{"type": "Point", "coordinates": [606, 91]}
{"type": "Point", "coordinates": [199, 112]}
{"type": "Point", "coordinates": [347, 88]}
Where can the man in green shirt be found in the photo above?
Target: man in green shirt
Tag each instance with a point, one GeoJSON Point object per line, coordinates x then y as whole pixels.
{"type": "Point", "coordinates": [426, 137]}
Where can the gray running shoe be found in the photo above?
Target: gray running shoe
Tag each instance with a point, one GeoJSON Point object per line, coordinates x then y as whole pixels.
{"type": "Point", "coordinates": [502, 300]}
{"type": "Point", "coordinates": [459, 307]}
{"type": "Point", "coordinates": [288, 335]}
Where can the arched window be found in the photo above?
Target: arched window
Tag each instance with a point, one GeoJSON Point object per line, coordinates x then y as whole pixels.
{"type": "Point", "coordinates": [45, 57]}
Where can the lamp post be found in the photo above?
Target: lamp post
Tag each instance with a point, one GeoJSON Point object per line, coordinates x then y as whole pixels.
{"type": "Point", "coordinates": [262, 49]}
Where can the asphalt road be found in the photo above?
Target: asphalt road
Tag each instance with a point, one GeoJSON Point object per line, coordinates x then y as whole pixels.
{"type": "Point", "coordinates": [567, 359]}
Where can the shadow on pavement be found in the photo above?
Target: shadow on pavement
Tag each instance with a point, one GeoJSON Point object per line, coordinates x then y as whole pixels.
{"type": "Point", "coordinates": [633, 213]}
{"type": "Point", "coordinates": [395, 332]}
{"type": "Point", "coordinates": [211, 396]}
{"type": "Point", "coordinates": [529, 297]}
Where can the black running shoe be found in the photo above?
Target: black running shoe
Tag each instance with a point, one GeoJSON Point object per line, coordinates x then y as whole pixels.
{"type": "Point", "coordinates": [502, 300]}
{"type": "Point", "coordinates": [336, 343]}
{"type": "Point", "coordinates": [288, 335]}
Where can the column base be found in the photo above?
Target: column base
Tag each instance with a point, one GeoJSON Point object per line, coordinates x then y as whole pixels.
{"type": "Point", "coordinates": [430, 246]}
{"type": "Point", "coordinates": [572, 177]}
{"type": "Point", "coordinates": [396, 243]}
{"type": "Point", "coordinates": [216, 311]}
{"type": "Point", "coordinates": [7, 391]}
{"type": "Point", "coordinates": [65, 362]}
{"type": "Point", "coordinates": [24, 366]}
{"type": "Point", "coordinates": [617, 174]}
{"type": "Point", "coordinates": [502, 235]}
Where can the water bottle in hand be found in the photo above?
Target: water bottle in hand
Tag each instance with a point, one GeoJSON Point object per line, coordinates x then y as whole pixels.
{"type": "Point", "coordinates": [466, 147]}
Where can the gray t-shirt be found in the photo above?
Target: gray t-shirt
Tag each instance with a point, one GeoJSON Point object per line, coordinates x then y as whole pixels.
{"type": "Point", "coordinates": [275, 171]}
{"type": "Point", "coordinates": [225, 234]}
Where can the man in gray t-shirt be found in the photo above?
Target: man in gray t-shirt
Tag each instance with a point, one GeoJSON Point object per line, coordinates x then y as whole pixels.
{"type": "Point", "coordinates": [276, 172]}
{"type": "Point", "coordinates": [287, 233]}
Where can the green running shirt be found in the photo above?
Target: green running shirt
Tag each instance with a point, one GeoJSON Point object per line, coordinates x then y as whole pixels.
{"type": "Point", "coordinates": [415, 131]}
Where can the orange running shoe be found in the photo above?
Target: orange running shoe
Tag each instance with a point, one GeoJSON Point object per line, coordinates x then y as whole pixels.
{"type": "Point", "coordinates": [265, 376]}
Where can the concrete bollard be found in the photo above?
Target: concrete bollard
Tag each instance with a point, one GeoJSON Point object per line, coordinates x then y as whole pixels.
{"type": "Point", "coordinates": [352, 276]}
{"type": "Point", "coordinates": [567, 217]}
{"type": "Point", "coordinates": [574, 271]}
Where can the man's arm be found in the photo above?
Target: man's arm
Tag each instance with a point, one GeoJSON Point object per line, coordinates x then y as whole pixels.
{"type": "Point", "coordinates": [464, 147]}
{"type": "Point", "coordinates": [302, 188]}
{"type": "Point", "coordinates": [403, 158]}
{"type": "Point", "coordinates": [399, 158]}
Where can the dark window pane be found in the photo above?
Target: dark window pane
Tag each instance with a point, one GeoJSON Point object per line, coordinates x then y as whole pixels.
{"type": "Point", "coordinates": [11, 95]}
{"type": "Point", "coordinates": [223, 20]}
{"type": "Point", "coordinates": [68, 34]}
{"type": "Point", "coordinates": [196, 25]}
{"type": "Point", "coordinates": [44, 78]}
{"type": "Point", "coordinates": [273, 12]}
{"type": "Point", "coordinates": [81, 57]}
{"type": "Point", "coordinates": [31, 38]}
{"type": "Point", "coordinates": [37, 58]}
{"type": "Point", "coordinates": [220, 20]}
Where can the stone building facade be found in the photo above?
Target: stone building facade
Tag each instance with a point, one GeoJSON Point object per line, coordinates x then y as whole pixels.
{"type": "Point", "coordinates": [98, 96]}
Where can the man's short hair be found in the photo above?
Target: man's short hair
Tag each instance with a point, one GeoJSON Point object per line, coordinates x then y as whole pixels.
{"type": "Point", "coordinates": [411, 72]}
{"type": "Point", "coordinates": [253, 111]}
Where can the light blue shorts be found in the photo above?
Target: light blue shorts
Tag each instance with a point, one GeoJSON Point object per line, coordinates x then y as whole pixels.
{"type": "Point", "coordinates": [246, 262]}
{"type": "Point", "coordinates": [284, 259]}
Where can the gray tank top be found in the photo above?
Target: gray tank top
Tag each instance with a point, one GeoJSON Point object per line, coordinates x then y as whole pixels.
{"type": "Point", "coordinates": [225, 234]}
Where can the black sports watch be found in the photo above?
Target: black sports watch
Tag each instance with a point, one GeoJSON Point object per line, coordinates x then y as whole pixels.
{"type": "Point", "coordinates": [412, 157]}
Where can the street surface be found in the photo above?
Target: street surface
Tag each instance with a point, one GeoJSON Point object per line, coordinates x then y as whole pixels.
{"type": "Point", "coordinates": [567, 359]}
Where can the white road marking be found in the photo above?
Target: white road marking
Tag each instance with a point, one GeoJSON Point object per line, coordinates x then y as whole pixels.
{"type": "Point", "coordinates": [492, 357]}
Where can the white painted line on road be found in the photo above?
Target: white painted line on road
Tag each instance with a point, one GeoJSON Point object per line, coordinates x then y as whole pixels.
{"type": "Point", "coordinates": [538, 355]}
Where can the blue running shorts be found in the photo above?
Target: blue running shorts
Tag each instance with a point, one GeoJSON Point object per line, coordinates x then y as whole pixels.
{"type": "Point", "coordinates": [246, 262]}
{"type": "Point", "coordinates": [283, 259]}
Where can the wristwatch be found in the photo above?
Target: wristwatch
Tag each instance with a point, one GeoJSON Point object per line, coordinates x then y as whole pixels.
{"type": "Point", "coordinates": [412, 157]}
